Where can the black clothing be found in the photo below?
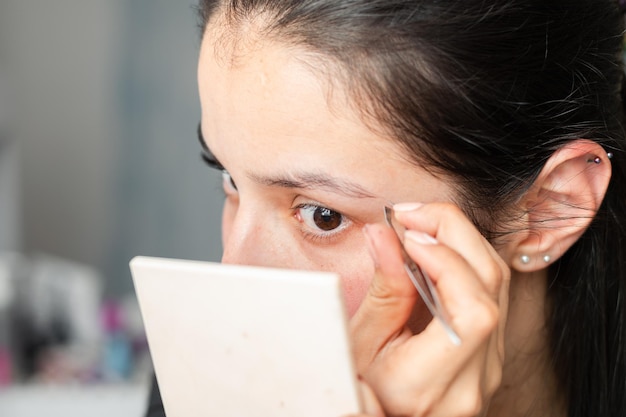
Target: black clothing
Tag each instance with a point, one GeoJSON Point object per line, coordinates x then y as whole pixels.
{"type": "Point", "coordinates": [155, 404]}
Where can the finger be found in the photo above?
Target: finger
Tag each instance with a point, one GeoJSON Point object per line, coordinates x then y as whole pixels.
{"type": "Point", "coordinates": [476, 317]}
{"type": "Point", "coordinates": [464, 298]}
{"type": "Point", "coordinates": [449, 225]}
{"type": "Point", "coordinates": [419, 372]}
{"type": "Point", "coordinates": [456, 231]}
{"type": "Point", "coordinates": [470, 391]}
{"type": "Point", "coordinates": [389, 300]}
{"type": "Point", "coordinates": [474, 314]}
{"type": "Point", "coordinates": [464, 396]}
{"type": "Point", "coordinates": [504, 313]}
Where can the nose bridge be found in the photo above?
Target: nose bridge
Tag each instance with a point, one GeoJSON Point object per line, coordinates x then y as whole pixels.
{"type": "Point", "coordinates": [248, 240]}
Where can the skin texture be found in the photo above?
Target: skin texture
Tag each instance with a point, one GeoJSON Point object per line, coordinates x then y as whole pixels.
{"type": "Point", "coordinates": [291, 144]}
{"type": "Point", "coordinates": [270, 119]}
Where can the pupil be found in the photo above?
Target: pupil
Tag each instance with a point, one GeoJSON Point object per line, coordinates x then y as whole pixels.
{"type": "Point", "coordinates": [326, 219]}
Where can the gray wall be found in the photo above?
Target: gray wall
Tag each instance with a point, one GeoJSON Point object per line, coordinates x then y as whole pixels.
{"type": "Point", "coordinates": [105, 111]}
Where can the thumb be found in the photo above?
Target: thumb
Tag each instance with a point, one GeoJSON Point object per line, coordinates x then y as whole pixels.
{"type": "Point", "coordinates": [390, 298]}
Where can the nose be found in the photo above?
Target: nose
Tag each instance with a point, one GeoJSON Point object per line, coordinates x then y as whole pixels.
{"type": "Point", "coordinates": [252, 238]}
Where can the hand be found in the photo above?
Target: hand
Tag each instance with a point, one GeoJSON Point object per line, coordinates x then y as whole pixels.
{"type": "Point", "coordinates": [424, 374]}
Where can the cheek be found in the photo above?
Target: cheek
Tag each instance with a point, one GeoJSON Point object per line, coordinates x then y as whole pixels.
{"type": "Point", "coordinates": [355, 283]}
{"type": "Point", "coordinates": [355, 266]}
{"type": "Point", "coordinates": [351, 261]}
{"type": "Point", "coordinates": [354, 292]}
{"type": "Point", "coordinates": [228, 215]}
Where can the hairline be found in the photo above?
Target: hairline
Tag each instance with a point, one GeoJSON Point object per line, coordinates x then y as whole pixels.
{"type": "Point", "coordinates": [332, 72]}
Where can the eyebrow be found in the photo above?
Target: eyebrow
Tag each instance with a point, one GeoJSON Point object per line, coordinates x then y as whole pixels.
{"type": "Point", "coordinates": [299, 180]}
{"type": "Point", "coordinates": [307, 180]}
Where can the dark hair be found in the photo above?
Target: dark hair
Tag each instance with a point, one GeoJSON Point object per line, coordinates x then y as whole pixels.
{"type": "Point", "coordinates": [485, 92]}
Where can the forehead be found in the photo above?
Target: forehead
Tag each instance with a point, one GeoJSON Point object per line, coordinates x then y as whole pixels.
{"type": "Point", "coordinates": [279, 87]}
{"type": "Point", "coordinates": [267, 108]}
{"type": "Point", "coordinates": [245, 45]}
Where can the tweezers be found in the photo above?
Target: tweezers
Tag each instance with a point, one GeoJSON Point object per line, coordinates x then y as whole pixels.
{"type": "Point", "coordinates": [421, 280]}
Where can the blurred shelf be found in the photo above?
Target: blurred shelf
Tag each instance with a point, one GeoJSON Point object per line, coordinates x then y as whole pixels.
{"type": "Point", "coordinates": [119, 400]}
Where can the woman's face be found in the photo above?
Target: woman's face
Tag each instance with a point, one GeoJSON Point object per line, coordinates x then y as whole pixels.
{"type": "Point", "coordinates": [305, 173]}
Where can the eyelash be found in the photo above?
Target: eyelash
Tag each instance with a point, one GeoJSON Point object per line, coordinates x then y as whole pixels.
{"type": "Point", "coordinates": [320, 237]}
{"type": "Point", "coordinates": [211, 161]}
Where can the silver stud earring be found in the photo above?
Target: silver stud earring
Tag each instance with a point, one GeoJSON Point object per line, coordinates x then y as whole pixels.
{"type": "Point", "coordinates": [546, 258]}
{"type": "Point", "coordinates": [596, 160]}
{"type": "Point", "coordinates": [525, 259]}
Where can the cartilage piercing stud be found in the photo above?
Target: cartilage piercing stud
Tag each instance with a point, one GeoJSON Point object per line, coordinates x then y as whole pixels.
{"type": "Point", "coordinates": [609, 155]}
{"type": "Point", "coordinates": [525, 259]}
{"type": "Point", "coordinates": [546, 258]}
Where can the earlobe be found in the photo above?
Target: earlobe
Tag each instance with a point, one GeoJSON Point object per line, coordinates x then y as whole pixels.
{"type": "Point", "coordinates": [561, 204]}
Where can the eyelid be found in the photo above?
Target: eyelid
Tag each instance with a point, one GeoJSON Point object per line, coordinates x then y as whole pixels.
{"type": "Point", "coordinates": [229, 184]}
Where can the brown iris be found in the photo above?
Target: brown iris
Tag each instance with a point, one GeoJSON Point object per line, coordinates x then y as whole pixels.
{"type": "Point", "coordinates": [326, 219]}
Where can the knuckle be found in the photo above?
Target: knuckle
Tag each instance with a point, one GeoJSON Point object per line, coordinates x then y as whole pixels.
{"type": "Point", "coordinates": [493, 271]}
{"type": "Point", "coordinates": [414, 407]}
{"type": "Point", "coordinates": [470, 405]}
{"type": "Point", "coordinates": [449, 210]}
{"type": "Point", "coordinates": [492, 277]}
{"type": "Point", "coordinates": [381, 288]}
{"type": "Point", "coordinates": [425, 405]}
{"type": "Point", "coordinates": [380, 291]}
{"type": "Point", "coordinates": [505, 271]}
{"type": "Point", "coordinates": [415, 404]}
{"type": "Point", "coordinates": [486, 318]}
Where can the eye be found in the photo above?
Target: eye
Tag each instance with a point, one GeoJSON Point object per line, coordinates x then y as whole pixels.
{"type": "Point", "coordinates": [322, 220]}
{"type": "Point", "coordinates": [227, 182]}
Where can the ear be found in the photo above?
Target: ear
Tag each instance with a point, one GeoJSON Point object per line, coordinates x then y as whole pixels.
{"type": "Point", "coordinates": [560, 205]}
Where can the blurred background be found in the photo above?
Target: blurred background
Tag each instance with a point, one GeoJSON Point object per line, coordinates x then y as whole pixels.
{"type": "Point", "coordinates": [99, 162]}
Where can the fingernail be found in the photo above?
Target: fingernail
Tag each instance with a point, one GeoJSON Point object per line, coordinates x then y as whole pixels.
{"type": "Point", "coordinates": [420, 238]}
{"type": "Point", "coordinates": [370, 245]}
{"type": "Point", "coordinates": [407, 206]}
